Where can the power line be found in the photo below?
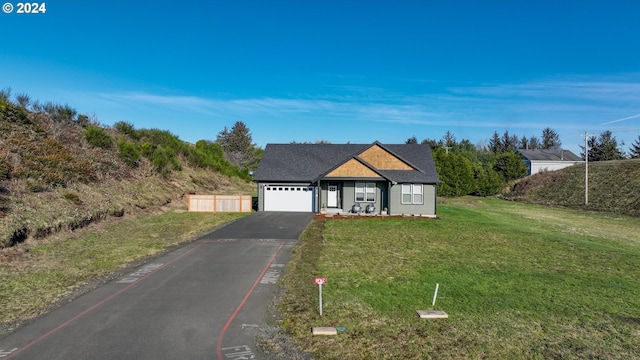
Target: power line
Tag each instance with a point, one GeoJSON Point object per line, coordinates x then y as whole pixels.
{"type": "Point", "coordinates": [623, 119]}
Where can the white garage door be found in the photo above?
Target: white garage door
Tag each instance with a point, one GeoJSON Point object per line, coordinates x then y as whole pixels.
{"type": "Point", "coordinates": [288, 198]}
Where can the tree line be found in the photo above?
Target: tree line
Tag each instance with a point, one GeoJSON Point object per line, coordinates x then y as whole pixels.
{"type": "Point", "coordinates": [605, 147]}
{"type": "Point", "coordinates": [480, 169]}
{"type": "Point", "coordinates": [464, 168]}
{"type": "Point", "coordinates": [484, 169]}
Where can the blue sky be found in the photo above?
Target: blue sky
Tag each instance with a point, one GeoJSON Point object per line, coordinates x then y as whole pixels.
{"type": "Point", "coordinates": [342, 71]}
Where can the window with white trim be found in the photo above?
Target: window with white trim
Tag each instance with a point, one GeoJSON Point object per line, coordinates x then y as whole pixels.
{"type": "Point", "coordinates": [412, 194]}
{"type": "Point", "coordinates": [365, 192]}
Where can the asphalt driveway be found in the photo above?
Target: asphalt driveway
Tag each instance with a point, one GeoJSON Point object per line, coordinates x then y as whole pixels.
{"type": "Point", "coordinates": [205, 300]}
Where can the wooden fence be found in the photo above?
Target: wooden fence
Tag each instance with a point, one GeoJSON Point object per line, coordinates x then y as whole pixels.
{"type": "Point", "coordinates": [219, 203]}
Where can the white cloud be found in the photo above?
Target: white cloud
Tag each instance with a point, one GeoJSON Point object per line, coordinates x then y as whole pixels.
{"type": "Point", "coordinates": [569, 105]}
{"type": "Point", "coordinates": [471, 105]}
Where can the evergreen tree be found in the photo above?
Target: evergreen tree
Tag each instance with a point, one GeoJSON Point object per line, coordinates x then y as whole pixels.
{"type": "Point", "coordinates": [604, 147]}
{"type": "Point", "coordinates": [448, 140]}
{"type": "Point", "coordinates": [634, 150]}
{"type": "Point", "coordinates": [411, 140]}
{"type": "Point", "coordinates": [534, 143]}
{"type": "Point", "coordinates": [524, 143]}
{"type": "Point", "coordinates": [515, 141]}
{"type": "Point", "coordinates": [455, 173]}
{"type": "Point", "coordinates": [466, 146]}
{"type": "Point", "coordinates": [495, 143]}
{"type": "Point", "coordinates": [509, 143]}
{"type": "Point", "coordinates": [488, 181]}
{"type": "Point", "coordinates": [223, 137]}
{"type": "Point", "coordinates": [591, 143]}
{"type": "Point", "coordinates": [237, 146]}
{"type": "Point", "coordinates": [511, 166]}
{"type": "Point", "coordinates": [468, 150]}
{"type": "Point", "coordinates": [431, 142]}
{"type": "Point", "coordinates": [550, 139]}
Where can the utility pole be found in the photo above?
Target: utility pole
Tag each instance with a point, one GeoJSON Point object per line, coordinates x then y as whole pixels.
{"type": "Point", "coordinates": [586, 168]}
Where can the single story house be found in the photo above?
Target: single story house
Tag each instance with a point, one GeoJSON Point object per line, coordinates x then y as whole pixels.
{"type": "Point", "coordinates": [548, 160]}
{"type": "Point", "coordinates": [352, 178]}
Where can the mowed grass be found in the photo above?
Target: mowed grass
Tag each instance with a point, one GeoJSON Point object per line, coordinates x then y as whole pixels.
{"type": "Point", "coordinates": [518, 281]}
{"type": "Point", "coordinates": [54, 269]}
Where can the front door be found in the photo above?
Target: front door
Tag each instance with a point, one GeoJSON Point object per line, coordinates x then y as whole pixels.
{"type": "Point", "coordinates": [332, 196]}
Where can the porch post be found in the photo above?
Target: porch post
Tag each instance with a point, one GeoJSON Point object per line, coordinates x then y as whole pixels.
{"type": "Point", "coordinates": [388, 198]}
{"type": "Point", "coordinates": [319, 202]}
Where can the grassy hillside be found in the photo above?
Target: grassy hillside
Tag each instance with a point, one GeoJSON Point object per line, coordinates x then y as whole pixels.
{"type": "Point", "coordinates": [614, 186]}
{"type": "Point", "coordinates": [61, 171]}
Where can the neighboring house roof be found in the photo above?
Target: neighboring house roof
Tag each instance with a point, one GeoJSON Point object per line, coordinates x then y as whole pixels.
{"type": "Point", "coordinates": [312, 162]}
{"type": "Point", "coordinates": [549, 155]}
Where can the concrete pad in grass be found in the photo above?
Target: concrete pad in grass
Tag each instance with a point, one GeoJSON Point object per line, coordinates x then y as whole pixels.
{"type": "Point", "coordinates": [432, 314]}
{"type": "Point", "coordinates": [325, 331]}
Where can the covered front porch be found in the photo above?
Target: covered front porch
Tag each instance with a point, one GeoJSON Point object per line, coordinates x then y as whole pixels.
{"type": "Point", "coordinates": [354, 210]}
{"type": "Point", "coordinates": [354, 197]}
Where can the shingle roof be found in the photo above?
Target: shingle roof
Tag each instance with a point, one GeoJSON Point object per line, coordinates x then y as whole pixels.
{"type": "Point", "coordinates": [309, 162]}
{"type": "Point", "coordinates": [549, 155]}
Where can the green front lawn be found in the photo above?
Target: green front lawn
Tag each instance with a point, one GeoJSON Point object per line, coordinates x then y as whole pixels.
{"type": "Point", "coordinates": [518, 281]}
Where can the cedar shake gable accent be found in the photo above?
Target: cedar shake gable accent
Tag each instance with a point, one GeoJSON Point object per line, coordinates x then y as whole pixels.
{"type": "Point", "coordinates": [353, 168]}
{"type": "Point", "coordinates": [381, 159]}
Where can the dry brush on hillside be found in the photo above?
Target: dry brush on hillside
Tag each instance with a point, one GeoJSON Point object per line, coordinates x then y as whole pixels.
{"type": "Point", "coordinates": [61, 171]}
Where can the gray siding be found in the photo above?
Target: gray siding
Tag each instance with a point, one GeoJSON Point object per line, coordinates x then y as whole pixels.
{"type": "Point", "coordinates": [428, 207]}
{"type": "Point", "coordinates": [346, 197]}
{"type": "Point", "coordinates": [349, 195]}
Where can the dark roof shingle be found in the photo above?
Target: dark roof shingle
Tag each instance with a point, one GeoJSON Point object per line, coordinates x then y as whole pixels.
{"type": "Point", "coordinates": [549, 155]}
{"type": "Point", "coordinates": [308, 162]}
